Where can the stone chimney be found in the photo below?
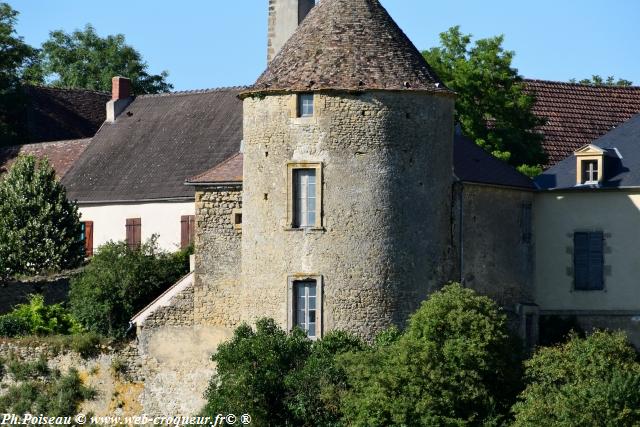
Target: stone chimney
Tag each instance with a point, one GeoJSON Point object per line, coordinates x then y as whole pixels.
{"type": "Point", "coordinates": [121, 96]}
{"type": "Point", "coordinates": [284, 18]}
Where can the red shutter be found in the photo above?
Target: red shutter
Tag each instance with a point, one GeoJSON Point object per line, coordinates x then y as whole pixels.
{"type": "Point", "coordinates": [134, 233]}
{"type": "Point", "coordinates": [88, 239]}
{"type": "Point", "coordinates": [187, 230]}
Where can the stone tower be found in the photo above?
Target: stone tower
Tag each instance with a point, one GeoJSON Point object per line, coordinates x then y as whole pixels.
{"type": "Point", "coordinates": [284, 18]}
{"type": "Point", "coordinates": [347, 176]}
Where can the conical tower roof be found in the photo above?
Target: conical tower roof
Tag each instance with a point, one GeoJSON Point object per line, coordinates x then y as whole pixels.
{"type": "Point", "coordinates": [351, 45]}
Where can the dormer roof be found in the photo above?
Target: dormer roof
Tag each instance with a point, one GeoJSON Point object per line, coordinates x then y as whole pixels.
{"type": "Point", "coordinates": [351, 45]}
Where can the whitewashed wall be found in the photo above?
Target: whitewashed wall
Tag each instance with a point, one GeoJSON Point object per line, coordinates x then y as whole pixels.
{"type": "Point", "coordinates": [162, 218]}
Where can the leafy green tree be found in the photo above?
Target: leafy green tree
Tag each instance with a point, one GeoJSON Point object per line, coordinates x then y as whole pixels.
{"type": "Point", "coordinates": [456, 364]}
{"type": "Point", "coordinates": [600, 81]}
{"type": "Point", "coordinates": [40, 319]}
{"type": "Point", "coordinates": [492, 106]}
{"type": "Point", "coordinates": [15, 58]}
{"type": "Point", "coordinates": [84, 59]}
{"type": "Point", "coordinates": [593, 381]}
{"type": "Point", "coordinates": [119, 281]}
{"type": "Point", "coordinates": [39, 228]}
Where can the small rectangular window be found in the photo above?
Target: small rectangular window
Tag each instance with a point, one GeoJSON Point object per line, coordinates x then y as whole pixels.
{"type": "Point", "coordinates": [525, 223]}
{"type": "Point", "coordinates": [87, 237]}
{"type": "Point", "coordinates": [589, 171]}
{"type": "Point", "coordinates": [134, 233]}
{"type": "Point", "coordinates": [236, 219]}
{"type": "Point", "coordinates": [305, 294]}
{"type": "Point", "coordinates": [305, 105]}
{"type": "Point", "coordinates": [304, 198]}
{"type": "Point", "coordinates": [588, 261]}
{"type": "Point", "coordinates": [187, 230]}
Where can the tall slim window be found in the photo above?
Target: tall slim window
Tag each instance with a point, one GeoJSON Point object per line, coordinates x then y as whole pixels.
{"type": "Point", "coordinates": [304, 198]}
{"type": "Point", "coordinates": [305, 306]}
{"type": "Point", "coordinates": [305, 105]}
{"type": "Point", "coordinates": [589, 171]}
{"type": "Point", "coordinates": [134, 233]}
{"type": "Point", "coordinates": [87, 237]}
{"type": "Point", "coordinates": [588, 261]}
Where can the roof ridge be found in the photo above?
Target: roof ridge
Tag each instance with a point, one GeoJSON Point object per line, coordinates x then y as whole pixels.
{"type": "Point", "coordinates": [193, 91]}
{"type": "Point", "coordinates": [557, 82]}
{"type": "Point", "coordinates": [66, 89]}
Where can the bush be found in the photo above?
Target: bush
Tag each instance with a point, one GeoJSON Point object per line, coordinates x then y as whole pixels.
{"type": "Point", "coordinates": [39, 228]}
{"type": "Point", "coordinates": [118, 282]}
{"type": "Point", "coordinates": [38, 318]}
{"type": "Point", "coordinates": [586, 381]}
{"type": "Point", "coordinates": [38, 390]}
{"type": "Point", "coordinates": [279, 378]}
{"type": "Point", "coordinates": [456, 364]}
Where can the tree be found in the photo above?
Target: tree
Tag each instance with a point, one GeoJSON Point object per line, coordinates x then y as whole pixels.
{"type": "Point", "coordinates": [456, 364]}
{"type": "Point", "coordinates": [86, 60]}
{"type": "Point", "coordinates": [15, 58]}
{"type": "Point", "coordinates": [39, 228]}
{"type": "Point", "coordinates": [492, 106]}
{"type": "Point", "coordinates": [119, 282]}
{"type": "Point", "coordinates": [586, 381]}
{"type": "Point", "coordinates": [597, 80]}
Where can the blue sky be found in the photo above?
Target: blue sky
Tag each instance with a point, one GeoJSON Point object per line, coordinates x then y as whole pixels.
{"type": "Point", "coordinates": [213, 43]}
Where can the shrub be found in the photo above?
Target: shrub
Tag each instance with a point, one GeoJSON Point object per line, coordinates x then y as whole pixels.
{"type": "Point", "coordinates": [38, 390]}
{"type": "Point", "coordinates": [456, 364]}
{"type": "Point", "coordinates": [39, 228]}
{"type": "Point", "coordinates": [118, 282]}
{"type": "Point", "coordinates": [38, 318]}
{"type": "Point", "coordinates": [586, 381]}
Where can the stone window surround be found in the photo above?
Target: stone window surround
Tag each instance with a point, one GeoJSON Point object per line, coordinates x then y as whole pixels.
{"type": "Point", "coordinates": [291, 280]}
{"type": "Point", "coordinates": [234, 218]}
{"type": "Point", "coordinates": [293, 110]}
{"type": "Point", "coordinates": [589, 153]}
{"type": "Point", "coordinates": [291, 166]}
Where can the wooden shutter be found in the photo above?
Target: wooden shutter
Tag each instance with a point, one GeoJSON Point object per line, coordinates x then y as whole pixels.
{"type": "Point", "coordinates": [134, 233]}
{"type": "Point", "coordinates": [88, 239]}
{"type": "Point", "coordinates": [588, 260]}
{"type": "Point", "coordinates": [596, 261]}
{"type": "Point", "coordinates": [187, 230]}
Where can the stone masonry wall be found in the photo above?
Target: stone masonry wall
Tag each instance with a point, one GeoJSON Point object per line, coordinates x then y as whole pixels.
{"type": "Point", "coordinates": [386, 163]}
{"type": "Point", "coordinates": [218, 257]}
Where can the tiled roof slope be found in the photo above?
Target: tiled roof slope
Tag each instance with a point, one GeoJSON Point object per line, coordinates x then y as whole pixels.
{"type": "Point", "coordinates": [229, 171]}
{"type": "Point", "coordinates": [155, 144]}
{"type": "Point", "coordinates": [54, 114]}
{"type": "Point", "coordinates": [473, 164]}
{"type": "Point", "coordinates": [578, 114]}
{"type": "Point", "coordinates": [618, 172]}
{"type": "Point", "coordinates": [61, 154]}
{"type": "Point", "coordinates": [348, 45]}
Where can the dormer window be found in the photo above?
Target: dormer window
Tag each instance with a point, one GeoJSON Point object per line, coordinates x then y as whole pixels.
{"type": "Point", "coordinates": [589, 165]}
{"type": "Point", "coordinates": [589, 171]}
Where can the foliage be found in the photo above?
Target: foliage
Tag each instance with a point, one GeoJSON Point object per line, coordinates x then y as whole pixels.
{"type": "Point", "coordinates": [38, 390]}
{"type": "Point", "coordinates": [14, 326]}
{"type": "Point", "coordinates": [280, 378]}
{"type": "Point", "coordinates": [530, 171]}
{"type": "Point", "coordinates": [586, 381]}
{"type": "Point", "coordinates": [491, 107]}
{"type": "Point", "coordinates": [15, 57]}
{"type": "Point", "coordinates": [87, 344]}
{"type": "Point", "coordinates": [456, 364]}
{"type": "Point", "coordinates": [38, 318]}
{"type": "Point", "coordinates": [39, 228]}
{"type": "Point", "coordinates": [555, 330]}
{"type": "Point", "coordinates": [119, 281]}
{"type": "Point", "coordinates": [597, 80]}
{"type": "Point", "coordinates": [84, 59]}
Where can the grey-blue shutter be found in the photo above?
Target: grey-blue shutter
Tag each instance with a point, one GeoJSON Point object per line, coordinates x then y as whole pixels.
{"type": "Point", "coordinates": [596, 261]}
{"type": "Point", "coordinates": [581, 260]}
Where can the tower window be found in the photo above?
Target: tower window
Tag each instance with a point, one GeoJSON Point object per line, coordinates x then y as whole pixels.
{"type": "Point", "coordinates": [305, 183]}
{"type": "Point", "coordinates": [306, 306]}
{"type": "Point", "coordinates": [305, 105]}
{"type": "Point", "coordinates": [589, 171]}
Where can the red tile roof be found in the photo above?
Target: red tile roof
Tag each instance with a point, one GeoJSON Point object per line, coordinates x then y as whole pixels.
{"type": "Point", "coordinates": [228, 171]}
{"type": "Point", "coordinates": [578, 114]}
{"type": "Point", "coordinates": [61, 154]}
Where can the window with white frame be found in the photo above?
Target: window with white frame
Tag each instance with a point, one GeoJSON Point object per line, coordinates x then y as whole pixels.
{"type": "Point", "coordinates": [305, 105]}
{"type": "Point", "coordinates": [589, 171]}
{"type": "Point", "coordinates": [305, 310]}
{"type": "Point", "coordinates": [305, 203]}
